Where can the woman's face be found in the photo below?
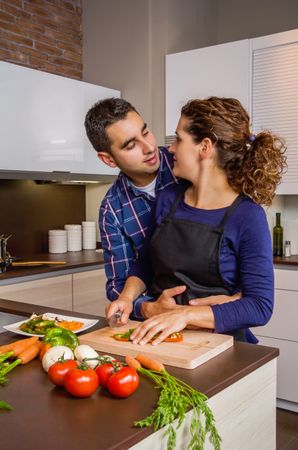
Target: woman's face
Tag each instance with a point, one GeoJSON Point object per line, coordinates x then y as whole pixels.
{"type": "Point", "coordinates": [185, 151]}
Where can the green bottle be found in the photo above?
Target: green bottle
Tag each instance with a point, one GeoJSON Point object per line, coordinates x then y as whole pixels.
{"type": "Point", "coordinates": [277, 237]}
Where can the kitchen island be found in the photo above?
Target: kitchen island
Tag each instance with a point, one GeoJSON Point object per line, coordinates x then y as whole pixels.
{"type": "Point", "coordinates": [240, 384]}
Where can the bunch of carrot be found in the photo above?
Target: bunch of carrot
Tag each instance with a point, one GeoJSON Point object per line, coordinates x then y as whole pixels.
{"type": "Point", "coordinates": [22, 351]}
{"type": "Point", "coordinates": [176, 398]}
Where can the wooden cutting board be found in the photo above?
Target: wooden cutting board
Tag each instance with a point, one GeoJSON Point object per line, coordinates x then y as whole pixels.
{"type": "Point", "coordinates": [196, 348]}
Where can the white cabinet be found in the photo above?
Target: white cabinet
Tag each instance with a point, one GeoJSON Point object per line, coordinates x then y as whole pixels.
{"type": "Point", "coordinates": [282, 332]}
{"type": "Point", "coordinates": [53, 292]}
{"type": "Point", "coordinates": [260, 72]}
{"type": "Point", "coordinates": [275, 95]}
{"type": "Point", "coordinates": [42, 122]}
{"type": "Point", "coordinates": [80, 291]}
{"type": "Point", "coordinates": [221, 70]}
{"type": "Point", "coordinates": [89, 293]}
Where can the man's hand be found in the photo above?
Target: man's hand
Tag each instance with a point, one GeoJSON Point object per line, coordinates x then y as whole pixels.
{"type": "Point", "coordinates": [123, 306]}
{"type": "Point", "coordinates": [164, 303]}
{"type": "Point", "coordinates": [215, 300]}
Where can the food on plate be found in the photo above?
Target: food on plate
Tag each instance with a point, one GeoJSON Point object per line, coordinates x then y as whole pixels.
{"type": "Point", "coordinates": [54, 354]}
{"type": "Point", "coordinates": [81, 381]}
{"type": "Point", "coordinates": [123, 382]}
{"type": "Point", "coordinates": [126, 337]}
{"type": "Point", "coordinates": [40, 324]}
{"type": "Point", "coordinates": [105, 371]}
{"type": "Point", "coordinates": [60, 336]}
{"type": "Point", "coordinates": [58, 370]}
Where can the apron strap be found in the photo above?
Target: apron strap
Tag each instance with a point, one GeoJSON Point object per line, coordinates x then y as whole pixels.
{"type": "Point", "coordinates": [230, 210]}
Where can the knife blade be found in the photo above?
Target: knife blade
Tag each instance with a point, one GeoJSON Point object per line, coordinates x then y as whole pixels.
{"type": "Point", "coordinates": [114, 320]}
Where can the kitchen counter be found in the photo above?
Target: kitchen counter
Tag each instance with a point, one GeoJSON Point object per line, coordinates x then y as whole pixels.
{"type": "Point", "coordinates": [73, 261]}
{"type": "Point", "coordinates": [283, 260]}
{"type": "Point", "coordinates": [240, 384]}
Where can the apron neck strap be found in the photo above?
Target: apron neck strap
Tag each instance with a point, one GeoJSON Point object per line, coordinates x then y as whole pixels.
{"type": "Point", "coordinates": [230, 209]}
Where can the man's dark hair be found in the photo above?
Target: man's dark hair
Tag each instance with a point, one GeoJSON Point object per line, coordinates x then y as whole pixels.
{"type": "Point", "coordinates": [103, 114]}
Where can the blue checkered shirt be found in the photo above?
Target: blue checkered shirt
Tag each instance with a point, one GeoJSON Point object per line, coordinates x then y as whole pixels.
{"type": "Point", "coordinates": [125, 215]}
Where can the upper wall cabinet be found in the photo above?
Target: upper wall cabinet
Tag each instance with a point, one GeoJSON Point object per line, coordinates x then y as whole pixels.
{"type": "Point", "coordinates": [42, 123]}
{"type": "Point", "coordinates": [275, 96]}
{"type": "Point", "coordinates": [221, 70]}
{"type": "Point", "coordinates": [260, 72]}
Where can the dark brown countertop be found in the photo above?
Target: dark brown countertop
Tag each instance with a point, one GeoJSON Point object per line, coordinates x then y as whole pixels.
{"type": "Point", "coordinates": [282, 260]}
{"type": "Point", "coordinates": [100, 422]}
{"type": "Point", "coordinates": [73, 260]}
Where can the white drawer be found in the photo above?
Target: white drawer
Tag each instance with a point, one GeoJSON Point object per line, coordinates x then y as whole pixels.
{"type": "Point", "coordinates": [287, 368]}
{"type": "Point", "coordinates": [284, 321]}
{"type": "Point", "coordinates": [286, 279]}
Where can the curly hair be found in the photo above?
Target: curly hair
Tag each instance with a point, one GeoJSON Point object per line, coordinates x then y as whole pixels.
{"type": "Point", "coordinates": [254, 164]}
{"type": "Point", "coordinates": [100, 116]}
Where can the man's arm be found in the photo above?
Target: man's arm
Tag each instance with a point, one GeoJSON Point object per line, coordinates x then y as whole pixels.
{"type": "Point", "coordinates": [118, 252]}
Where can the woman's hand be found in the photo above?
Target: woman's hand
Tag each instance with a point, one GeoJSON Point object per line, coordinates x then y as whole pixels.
{"type": "Point", "coordinates": [164, 303]}
{"type": "Point", "coordinates": [215, 300]}
{"type": "Point", "coordinates": [165, 324]}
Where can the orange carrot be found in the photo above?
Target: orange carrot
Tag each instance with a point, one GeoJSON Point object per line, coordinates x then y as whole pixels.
{"type": "Point", "coordinates": [18, 346]}
{"type": "Point", "coordinates": [149, 363]}
{"type": "Point", "coordinates": [131, 362]}
{"type": "Point", "coordinates": [23, 345]}
{"type": "Point", "coordinates": [30, 353]}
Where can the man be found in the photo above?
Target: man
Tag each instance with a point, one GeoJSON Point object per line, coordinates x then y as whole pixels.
{"type": "Point", "coordinates": [122, 139]}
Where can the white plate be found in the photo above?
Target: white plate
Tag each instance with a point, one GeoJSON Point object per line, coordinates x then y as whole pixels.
{"type": "Point", "coordinates": [14, 327]}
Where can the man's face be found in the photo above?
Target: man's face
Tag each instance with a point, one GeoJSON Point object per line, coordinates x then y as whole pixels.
{"type": "Point", "coordinates": [133, 149]}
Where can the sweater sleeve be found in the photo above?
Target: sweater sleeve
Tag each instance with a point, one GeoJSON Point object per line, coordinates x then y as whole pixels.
{"type": "Point", "coordinates": [256, 279]}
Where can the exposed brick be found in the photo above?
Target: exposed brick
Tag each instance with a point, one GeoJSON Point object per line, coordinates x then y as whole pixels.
{"type": "Point", "coordinates": [16, 12]}
{"type": "Point", "coordinates": [47, 49]}
{"type": "Point", "coordinates": [33, 52]}
{"type": "Point", "coordinates": [65, 63]}
{"type": "Point", "coordinates": [35, 9]}
{"type": "Point", "coordinates": [68, 5]}
{"type": "Point", "coordinates": [14, 28]}
{"type": "Point", "coordinates": [40, 37]}
{"type": "Point", "coordinates": [63, 37]}
{"type": "Point", "coordinates": [18, 39]}
{"type": "Point", "coordinates": [7, 45]}
{"type": "Point", "coordinates": [7, 17]}
{"type": "Point", "coordinates": [31, 25]}
{"type": "Point", "coordinates": [47, 22]}
{"type": "Point", "coordinates": [70, 47]}
{"type": "Point", "coordinates": [11, 56]}
{"type": "Point", "coordinates": [70, 73]}
{"type": "Point", "coordinates": [72, 56]}
{"type": "Point", "coordinates": [42, 64]}
{"type": "Point", "coordinates": [18, 3]}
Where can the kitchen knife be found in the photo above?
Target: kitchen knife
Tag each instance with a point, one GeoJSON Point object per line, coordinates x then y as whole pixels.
{"type": "Point", "coordinates": [35, 263]}
{"type": "Point", "coordinates": [114, 320]}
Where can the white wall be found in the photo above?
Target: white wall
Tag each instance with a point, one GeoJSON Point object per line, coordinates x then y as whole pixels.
{"type": "Point", "coordinates": [94, 196]}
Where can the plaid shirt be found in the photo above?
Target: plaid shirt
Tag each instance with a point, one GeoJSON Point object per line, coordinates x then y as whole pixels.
{"type": "Point", "coordinates": [124, 218]}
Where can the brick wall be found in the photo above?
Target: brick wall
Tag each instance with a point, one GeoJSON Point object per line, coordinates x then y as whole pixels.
{"type": "Point", "coordinates": [43, 34]}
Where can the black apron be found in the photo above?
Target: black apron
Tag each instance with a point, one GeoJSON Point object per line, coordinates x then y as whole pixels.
{"type": "Point", "coordinates": [184, 252]}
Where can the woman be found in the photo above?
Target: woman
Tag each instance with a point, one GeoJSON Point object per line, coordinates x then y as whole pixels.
{"type": "Point", "coordinates": [212, 237]}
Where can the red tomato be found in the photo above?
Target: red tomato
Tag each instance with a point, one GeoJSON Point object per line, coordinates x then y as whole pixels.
{"type": "Point", "coordinates": [104, 371]}
{"type": "Point", "coordinates": [123, 383]}
{"type": "Point", "coordinates": [81, 382]}
{"type": "Point", "coordinates": [58, 370]}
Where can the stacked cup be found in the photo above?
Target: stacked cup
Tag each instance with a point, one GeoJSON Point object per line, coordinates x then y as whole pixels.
{"type": "Point", "coordinates": [57, 241]}
{"type": "Point", "coordinates": [89, 235]}
{"type": "Point", "coordinates": [74, 237]}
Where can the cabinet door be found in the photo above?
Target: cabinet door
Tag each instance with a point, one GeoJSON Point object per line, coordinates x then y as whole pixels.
{"type": "Point", "coordinates": [49, 111]}
{"type": "Point", "coordinates": [54, 292]}
{"type": "Point", "coordinates": [275, 94]}
{"type": "Point", "coordinates": [221, 70]}
{"type": "Point", "coordinates": [287, 368]}
{"type": "Point", "coordinates": [89, 293]}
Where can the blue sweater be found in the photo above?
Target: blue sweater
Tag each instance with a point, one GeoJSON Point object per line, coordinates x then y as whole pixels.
{"type": "Point", "coordinates": [246, 262]}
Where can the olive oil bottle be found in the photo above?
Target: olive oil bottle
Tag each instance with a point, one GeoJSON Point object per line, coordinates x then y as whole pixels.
{"type": "Point", "coordinates": [277, 237]}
